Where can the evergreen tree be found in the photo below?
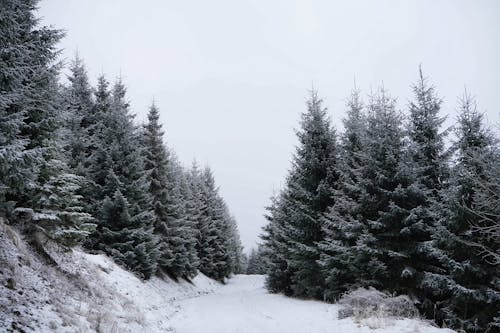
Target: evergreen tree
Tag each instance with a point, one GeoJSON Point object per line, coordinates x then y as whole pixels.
{"type": "Point", "coordinates": [157, 168]}
{"type": "Point", "coordinates": [276, 239]}
{"type": "Point", "coordinates": [257, 261]}
{"type": "Point", "coordinates": [117, 170]}
{"type": "Point", "coordinates": [341, 227]}
{"type": "Point", "coordinates": [180, 238]}
{"type": "Point", "coordinates": [198, 212]}
{"type": "Point", "coordinates": [428, 170]}
{"type": "Point", "coordinates": [78, 105]}
{"type": "Point", "coordinates": [234, 247]}
{"type": "Point", "coordinates": [487, 207]}
{"type": "Point", "coordinates": [97, 158]}
{"type": "Point", "coordinates": [312, 181]}
{"type": "Point", "coordinates": [377, 252]}
{"type": "Point", "coordinates": [426, 141]}
{"type": "Point", "coordinates": [129, 245]}
{"type": "Point", "coordinates": [308, 193]}
{"type": "Point", "coordinates": [212, 227]}
{"type": "Point", "coordinates": [18, 44]}
{"type": "Point", "coordinates": [59, 213]}
{"type": "Point", "coordinates": [467, 291]}
{"type": "Point", "coordinates": [30, 110]}
{"type": "Point", "coordinates": [218, 227]}
{"type": "Point", "coordinates": [192, 215]}
{"type": "Point", "coordinates": [253, 263]}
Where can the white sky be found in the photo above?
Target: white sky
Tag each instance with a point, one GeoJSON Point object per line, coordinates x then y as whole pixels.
{"type": "Point", "coordinates": [230, 77]}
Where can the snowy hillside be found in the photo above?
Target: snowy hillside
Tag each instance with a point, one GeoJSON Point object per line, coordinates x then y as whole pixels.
{"type": "Point", "coordinates": [83, 292]}
{"type": "Point", "coordinates": [80, 292]}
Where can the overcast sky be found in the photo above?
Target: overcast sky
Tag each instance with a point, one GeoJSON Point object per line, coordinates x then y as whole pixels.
{"type": "Point", "coordinates": [231, 77]}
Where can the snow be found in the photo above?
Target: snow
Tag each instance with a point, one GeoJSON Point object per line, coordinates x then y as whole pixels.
{"type": "Point", "coordinates": [155, 300]}
{"type": "Point", "coordinates": [90, 293]}
{"type": "Point", "coordinates": [83, 292]}
{"type": "Point", "coordinates": [243, 305]}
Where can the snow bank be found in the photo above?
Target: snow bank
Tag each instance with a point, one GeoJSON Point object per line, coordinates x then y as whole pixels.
{"type": "Point", "coordinates": [83, 292]}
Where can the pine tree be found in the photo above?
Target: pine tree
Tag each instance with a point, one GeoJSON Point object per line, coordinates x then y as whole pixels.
{"type": "Point", "coordinates": [312, 182]}
{"type": "Point", "coordinates": [30, 110]}
{"type": "Point", "coordinates": [192, 214]}
{"type": "Point", "coordinates": [253, 263]}
{"type": "Point", "coordinates": [234, 247]}
{"type": "Point", "coordinates": [428, 171]}
{"type": "Point", "coordinates": [276, 238]}
{"type": "Point", "coordinates": [341, 226]}
{"type": "Point", "coordinates": [257, 261]}
{"type": "Point", "coordinates": [180, 229]}
{"type": "Point", "coordinates": [308, 193]}
{"type": "Point", "coordinates": [468, 294]}
{"type": "Point", "coordinates": [98, 161]}
{"type": "Point", "coordinates": [157, 168]}
{"type": "Point", "coordinates": [78, 116]}
{"type": "Point", "coordinates": [218, 214]}
{"type": "Point", "coordinates": [426, 141]}
{"type": "Point", "coordinates": [116, 171]}
{"type": "Point", "coordinates": [212, 227]}
{"type": "Point", "coordinates": [376, 252]}
{"type": "Point", "coordinates": [18, 45]}
{"type": "Point", "coordinates": [59, 213]}
{"type": "Point", "coordinates": [129, 245]}
{"type": "Point", "coordinates": [487, 207]}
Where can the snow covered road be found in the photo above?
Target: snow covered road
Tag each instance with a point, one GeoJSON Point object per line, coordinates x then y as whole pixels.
{"type": "Point", "coordinates": [244, 306]}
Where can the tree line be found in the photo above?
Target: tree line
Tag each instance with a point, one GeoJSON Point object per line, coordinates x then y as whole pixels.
{"type": "Point", "coordinates": [77, 169]}
{"type": "Point", "coordinates": [388, 203]}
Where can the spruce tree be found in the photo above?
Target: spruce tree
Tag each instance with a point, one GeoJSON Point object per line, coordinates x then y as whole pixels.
{"type": "Point", "coordinates": [18, 45]}
{"type": "Point", "coordinates": [117, 170]}
{"type": "Point", "coordinates": [257, 261]}
{"type": "Point", "coordinates": [342, 227]}
{"type": "Point", "coordinates": [276, 238]}
{"type": "Point", "coordinates": [157, 168]}
{"type": "Point", "coordinates": [311, 181]}
{"type": "Point", "coordinates": [58, 212]}
{"type": "Point", "coordinates": [192, 214]}
{"type": "Point", "coordinates": [376, 252]}
{"type": "Point", "coordinates": [34, 176]}
{"type": "Point", "coordinates": [180, 237]}
{"type": "Point", "coordinates": [78, 104]}
{"type": "Point", "coordinates": [307, 195]}
{"type": "Point", "coordinates": [468, 295]}
{"type": "Point", "coordinates": [234, 247]}
{"type": "Point", "coordinates": [428, 171]}
{"type": "Point", "coordinates": [98, 161]}
{"type": "Point", "coordinates": [119, 237]}
{"type": "Point", "coordinates": [215, 230]}
{"type": "Point", "coordinates": [212, 226]}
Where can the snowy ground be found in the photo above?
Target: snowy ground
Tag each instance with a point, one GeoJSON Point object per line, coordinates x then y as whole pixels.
{"type": "Point", "coordinates": [83, 292]}
{"type": "Point", "coordinates": [244, 306]}
{"type": "Point", "coordinates": [80, 292]}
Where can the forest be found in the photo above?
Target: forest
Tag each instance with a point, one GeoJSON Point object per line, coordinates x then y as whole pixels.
{"type": "Point", "coordinates": [76, 168]}
{"type": "Point", "coordinates": [394, 202]}
{"type": "Point", "coordinates": [401, 199]}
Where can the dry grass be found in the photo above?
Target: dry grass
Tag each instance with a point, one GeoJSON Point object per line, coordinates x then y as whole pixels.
{"type": "Point", "coordinates": [374, 308]}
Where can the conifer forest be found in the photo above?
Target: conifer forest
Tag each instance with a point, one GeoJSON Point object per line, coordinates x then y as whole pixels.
{"type": "Point", "coordinates": [401, 201]}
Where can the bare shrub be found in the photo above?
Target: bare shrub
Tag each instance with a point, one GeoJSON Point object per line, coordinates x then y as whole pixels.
{"type": "Point", "coordinates": [363, 303]}
{"type": "Point", "coordinates": [360, 303]}
{"type": "Point", "coordinates": [400, 307]}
